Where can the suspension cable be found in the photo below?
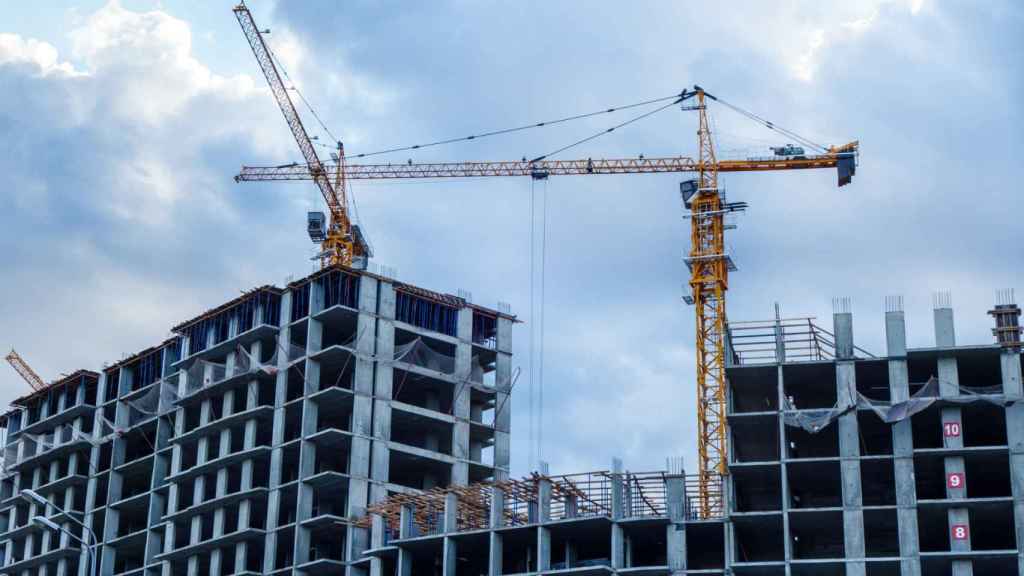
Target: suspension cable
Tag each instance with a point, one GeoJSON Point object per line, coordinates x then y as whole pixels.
{"type": "Point", "coordinates": [515, 129]}
{"type": "Point", "coordinates": [677, 99]}
{"type": "Point", "coordinates": [772, 126]}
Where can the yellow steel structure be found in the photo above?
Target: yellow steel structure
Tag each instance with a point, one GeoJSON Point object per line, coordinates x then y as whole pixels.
{"type": "Point", "coordinates": [342, 242]}
{"type": "Point", "coordinates": [25, 371]}
{"type": "Point", "coordinates": [708, 262]}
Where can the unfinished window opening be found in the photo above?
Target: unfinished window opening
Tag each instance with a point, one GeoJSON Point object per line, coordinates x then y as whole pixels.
{"type": "Point", "coordinates": [472, 552]}
{"type": "Point", "coordinates": [289, 501]}
{"type": "Point", "coordinates": [873, 379]}
{"type": "Point", "coordinates": [519, 552]}
{"type": "Point", "coordinates": [758, 538]}
{"type": "Point", "coordinates": [921, 366]}
{"type": "Point", "coordinates": [337, 371]}
{"type": "Point", "coordinates": [413, 429]}
{"type": "Point", "coordinates": [134, 483]}
{"type": "Point", "coordinates": [300, 302]}
{"type": "Point", "coordinates": [290, 464]}
{"type": "Point", "coordinates": [980, 370]}
{"type": "Point", "coordinates": [757, 488]}
{"type": "Point", "coordinates": [209, 482]}
{"type": "Point", "coordinates": [817, 535]}
{"type": "Point", "coordinates": [881, 534]}
{"type": "Point", "coordinates": [264, 435]}
{"type": "Point", "coordinates": [132, 519]}
{"type": "Point", "coordinates": [296, 382]}
{"type": "Point", "coordinates": [240, 399]}
{"type": "Point", "coordinates": [236, 437]}
{"type": "Point", "coordinates": [340, 288]}
{"type": "Point", "coordinates": [283, 554]}
{"type": "Point", "coordinates": [330, 459]}
{"type": "Point", "coordinates": [231, 518]}
{"type": "Point", "coordinates": [327, 544]}
{"type": "Point", "coordinates": [803, 444]}
{"type": "Point", "coordinates": [342, 329]}
{"type": "Point", "coordinates": [755, 438]}
{"type": "Point", "coordinates": [485, 329]}
{"type": "Point", "coordinates": [234, 483]}
{"type": "Point", "coordinates": [933, 529]}
{"type": "Point", "coordinates": [266, 392]}
{"type": "Point", "coordinates": [110, 391]}
{"type": "Point", "coordinates": [227, 560]}
{"type": "Point", "coordinates": [417, 471]}
{"type": "Point", "coordinates": [253, 557]}
{"type": "Point", "coordinates": [705, 545]}
{"type": "Point", "coordinates": [329, 501]}
{"type": "Point", "coordinates": [926, 427]}
{"type": "Point", "coordinates": [425, 313]}
{"type": "Point", "coordinates": [481, 407]}
{"type": "Point", "coordinates": [297, 340]}
{"type": "Point", "coordinates": [983, 424]}
{"type": "Point", "coordinates": [292, 422]}
{"type": "Point", "coordinates": [992, 526]}
{"type": "Point", "coordinates": [261, 473]}
{"type": "Point", "coordinates": [423, 391]}
{"type": "Point", "coordinates": [212, 446]}
{"type": "Point", "coordinates": [334, 415]}
{"type": "Point", "coordinates": [582, 544]}
{"type": "Point", "coordinates": [182, 533]}
{"type": "Point", "coordinates": [127, 558]}
{"type": "Point", "coordinates": [814, 484]}
{"type": "Point", "coordinates": [192, 414]}
{"type": "Point", "coordinates": [216, 407]}
{"type": "Point", "coordinates": [930, 477]}
{"type": "Point", "coordinates": [878, 482]}
{"type": "Point", "coordinates": [753, 389]}
{"type": "Point", "coordinates": [875, 435]}
{"type": "Point", "coordinates": [987, 475]}
{"type": "Point", "coordinates": [258, 514]}
{"type": "Point", "coordinates": [426, 352]}
{"type": "Point", "coordinates": [810, 385]}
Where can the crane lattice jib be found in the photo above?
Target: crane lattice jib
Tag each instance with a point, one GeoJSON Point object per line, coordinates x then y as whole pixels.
{"type": "Point", "coordinates": [291, 115]}
{"type": "Point", "coordinates": [540, 168]}
{"type": "Point", "coordinates": [25, 371]}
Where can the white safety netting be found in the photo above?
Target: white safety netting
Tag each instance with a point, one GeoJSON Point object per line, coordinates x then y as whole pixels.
{"type": "Point", "coordinates": [889, 412]}
{"type": "Point", "coordinates": [418, 353]}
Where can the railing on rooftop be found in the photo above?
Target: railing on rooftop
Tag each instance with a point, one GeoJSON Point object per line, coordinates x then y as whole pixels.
{"type": "Point", "coordinates": [781, 340]}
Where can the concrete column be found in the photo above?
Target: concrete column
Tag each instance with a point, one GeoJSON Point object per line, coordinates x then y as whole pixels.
{"type": "Point", "coordinates": [503, 401]}
{"type": "Point", "coordinates": [543, 517]}
{"type": "Point", "coordinates": [903, 442]}
{"type": "Point", "coordinates": [450, 556]}
{"type": "Point", "coordinates": [849, 446]}
{"type": "Point", "coordinates": [1011, 372]}
{"type": "Point", "coordinates": [675, 532]}
{"type": "Point", "coordinates": [405, 531]}
{"type": "Point", "coordinates": [277, 434]}
{"type": "Point", "coordinates": [949, 386]}
{"type": "Point", "coordinates": [497, 520]}
{"type": "Point", "coordinates": [787, 541]}
{"type": "Point", "coordinates": [618, 534]}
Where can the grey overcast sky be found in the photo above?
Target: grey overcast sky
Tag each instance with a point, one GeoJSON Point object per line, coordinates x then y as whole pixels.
{"type": "Point", "coordinates": [121, 125]}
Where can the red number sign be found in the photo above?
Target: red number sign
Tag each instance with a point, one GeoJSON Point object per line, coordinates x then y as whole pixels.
{"type": "Point", "coordinates": [960, 532]}
{"type": "Point", "coordinates": [951, 429]}
{"type": "Point", "coordinates": [955, 480]}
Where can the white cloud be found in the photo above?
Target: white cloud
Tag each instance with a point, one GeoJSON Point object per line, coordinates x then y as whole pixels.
{"type": "Point", "coordinates": [17, 50]}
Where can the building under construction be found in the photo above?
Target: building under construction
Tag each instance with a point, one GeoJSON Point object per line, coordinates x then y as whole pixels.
{"type": "Point", "coordinates": [246, 442]}
{"type": "Point", "coordinates": [350, 423]}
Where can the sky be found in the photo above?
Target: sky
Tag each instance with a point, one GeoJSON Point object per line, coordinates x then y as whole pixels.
{"type": "Point", "coordinates": [123, 123]}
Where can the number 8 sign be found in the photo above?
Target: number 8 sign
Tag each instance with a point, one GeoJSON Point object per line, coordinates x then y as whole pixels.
{"type": "Point", "coordinates": [960, 532]}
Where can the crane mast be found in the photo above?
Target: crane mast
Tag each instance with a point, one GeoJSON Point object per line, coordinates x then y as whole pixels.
{"type": "Point", "coordinates": [342, 242]}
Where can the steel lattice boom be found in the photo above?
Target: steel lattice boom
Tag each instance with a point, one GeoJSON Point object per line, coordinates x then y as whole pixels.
{"type": "Point", "coordinates": [25, 371]}
{"type": "Point", "coordinates": [541, 168]}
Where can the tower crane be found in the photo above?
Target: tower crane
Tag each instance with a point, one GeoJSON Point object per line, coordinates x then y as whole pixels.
{"type": "Point", "coordinates": [341, 240]}
{"type": "Point", "coordinates": [707, 260]}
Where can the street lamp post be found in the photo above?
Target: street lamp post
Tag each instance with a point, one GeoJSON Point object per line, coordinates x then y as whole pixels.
{"type": "Point", "coordinates": [42, 521]}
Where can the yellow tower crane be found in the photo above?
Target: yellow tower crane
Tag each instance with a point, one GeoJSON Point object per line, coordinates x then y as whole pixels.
{"type": "Point", "coordinates": [708, 261]}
